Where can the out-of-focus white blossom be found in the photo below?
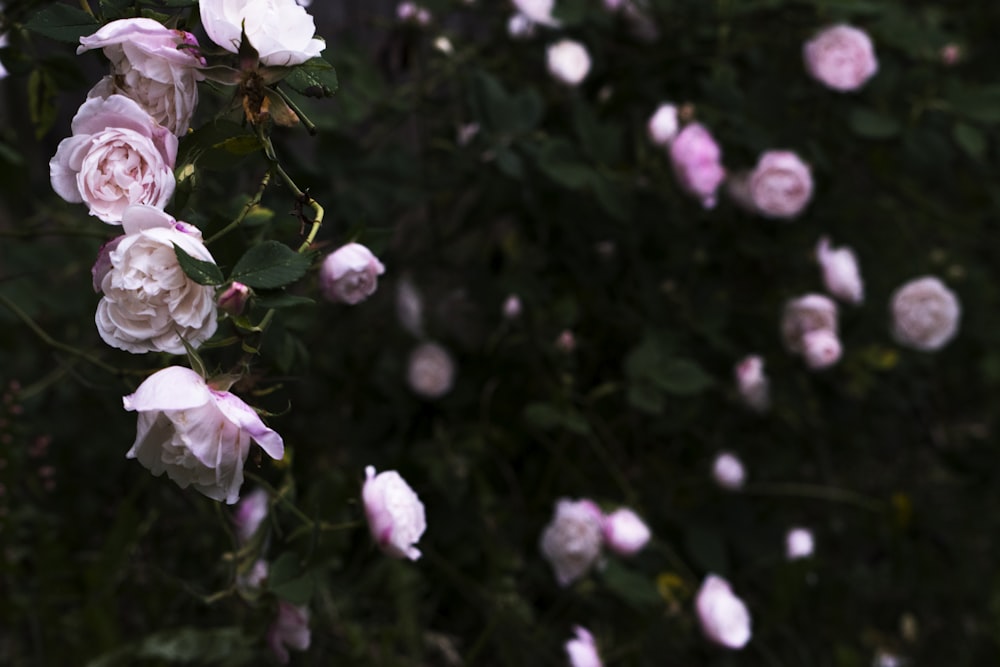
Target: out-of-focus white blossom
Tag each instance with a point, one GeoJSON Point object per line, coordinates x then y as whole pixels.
{"type": "Point", "coordinates": [582, 649]}
{"type": "Point", "coordinates": [821, 349]}
{"type": "Point", "coordinates": [841, 274]}
{"type": "Point", "coordinates": [925, 314]}
{"type": "Point", "coordinates": [841, 57]}
{"type": "Point", "coordinates": [520, 26]}
{"type": "Point", "coordinates": [663, 125]}
{"type": "Point", "coordinates": [697, 162]}
{"type": "Point", "coordinates": [290, 629]}
{"type": "Point", "coordinates": [431, 371]}
{"type": "Point", "coordinates": [799, 543]}
{"type": "Point", "coordinates": [753, 384]}
{"type": "Point", "coordinates": [805, 314]}
{"type": "Point", "coordinates": [724, 617]}
{"type": "Point", "coordinates": [571, 542]}
{"type": "Point", "coordinates": [568, 61]}
{"type": "Point", "coordinates": [624, 532]}
{"type": "Point", "coordinates": [728, 471]}
{"type": "Point", "coordinates": [538, 11]}
{"type": "Point", "coordinates": [512, 307]}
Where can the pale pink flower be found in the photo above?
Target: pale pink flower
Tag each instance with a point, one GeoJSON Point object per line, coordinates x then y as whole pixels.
{"type": "Point", "coordinates": [537, 11]}
{"type": "Point", "coordinates": [821, 349]}
{"type": "Point", "coordinates": [571, 542]}
{"type": "Point", "coordinates": [781, 185]}
{"type": "Point", "coordinates": [431, 371]}
{"type": "Point", "coordinates": [350, 274]}
{"type": "Point", "coordinates": [724, 617]}
{"type": "Point", "coordinates": [582, 649]}
{"type": "Point", "coordinates": [663, 125]}
{"type": "Point", "coordinates": [566, 342]}
{"type": "Point", "coordinates": [118, 156]}
{"type": "Point", "coordinates": [512, 307]}
{"type": "Point", "coordinates": [395, 514]}
{"type": "Point", "coordinates": [841, 57]}
{"type": "Point", "coordinates": [290, 629]}
{"type": "Point", "coordinates": [925, 314]}
{"type": "Point", "coordinates": [198, 435]}
{"type": "Point", "coordinates": [951, 54]}
{"type": "Point", "coordinates": [151, 64]}
{"type": "Point", "coordinates": [753, 384]}
{"type": "Point", "coordinates": [281, 31]}
{"type": "Point", "coordinates": [250, 514]}
{"type": "Point", "coordinates": [234, 298]}
{"type": "Point", "coordinates": [624, 532]}
{"type": "Point", "coordinates": [841, 274]}
{"type": "Point", "coordinates": [520, 26]}
{"type": "Point", "coordinates": [805, 314]}
{"type": "Point", "coordinates": [728, 471]}
{"type": "Point", "coordinates": [568, 61]}
{"type": "Point", "coordinates": [799, 543]}
{"type": "Point", "coordinates": [696, 159]}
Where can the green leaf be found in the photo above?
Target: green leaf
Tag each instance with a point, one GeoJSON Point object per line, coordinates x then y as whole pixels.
{"type": "Point", "coordinates": [971, 140]}
{"type": "Point", "coordinates": [314, 78]}
{"type": "Point", "coordinates": [282, 301]}
{"type": "Point", "coordinates": [219, 145]}
{"type": "Point", "coordinates": [200, 271]}
{"type": "Point", "coordinates": [41, 101]}
{"type": "Point", "coordinates": [548, 417]}
{"type": "Point", "coordinates": [270, 265]}
{"type": "Point", "coordinates": [872, 124]}
{"type": "Point", "coordinates": [63, 23]}
{"type": "Point", "coordinates": [632, 587]}
{"type": "Point", "coordinates": [244, 144]}
{"type": "Point", "coordinates": [680, 377]}
{"type": "Point", "coordinates": [560, 161]}
{"type": "Point", "coordinates": [981, 103]}
{"type": "Point", "coordinates": [227, 647]}
{"type": "Point", "coordinates": [289, 581]}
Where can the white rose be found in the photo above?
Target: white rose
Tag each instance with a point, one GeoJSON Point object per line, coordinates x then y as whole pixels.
{"type": "Point", "coordinates": [841, 57]}
{"type": "Point", "coordinates": [723, 616]}
{"type": "Point", "coordinates": [431, 371]}
{"type": "Point", "coordinates": [118, 156]}
{"type": "Point", "coordinates": [781, 185]}
{"type": "Point", "coordinates": [198, 435]}
{"type": "Point", "coordinates": [752, 383]}
{"type": "Point", "coordinates": [663, 125]}
{"type": "Point", "coordinates": [395, 514]}
{"type": "Point", "coordinates": [149, 66]}
{"type": "Point", "coordinates": [538, 11]}
{"type": "Point", "coordinates": [798, 543]}
{"type": "Point", "coordinates": [624, 532]}
{"type": "Point", "coordinates": [925, 314]}
{"type": "Point", "coordinates": [582, 649]}
{"type": "Point", "coordinates": [571, 542]}
{"type": "Point", "coordinates": [805, 314]}
{"type": "Point", "coordinates": [350, 274]}
{"type": "Point", "coordinates": [728, 471]}
{"type": "Point", "coordinates": [281, 30]}
{"type": "Point", "coordinates": [568, 61]}
{"type": "Point", "coordinates": [149, 303]}
{"type": "Point", "coordinates": [840, 272]}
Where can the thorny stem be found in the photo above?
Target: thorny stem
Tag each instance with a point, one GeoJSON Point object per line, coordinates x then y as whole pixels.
{"type": "Point", "coordinates": [302, 198]}
{"type": "Point", "coordinates": [254, 201]}
{"type": "Point", "coordinates": [49, 340]}
{"type": "Point", "coordinates": [308, 124]}
{"type": "Point", "coordinates": [829, 493]}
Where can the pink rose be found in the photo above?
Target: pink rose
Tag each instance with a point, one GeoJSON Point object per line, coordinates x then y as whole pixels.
{"type": "Point", "coordinates": [582, 649]}
{"type": "Point", "coordinates": [696, 159]}
{"type": "Point", "coordinates": [149, 65]}
{"type": "Point", "coordinates": [572, 541]}
{"type": "Point", "coordinates": [198, 435]}
{"type": "Point", "coordinates": [395, 514]}
{"type": "Point", "coordinates": [250, 514]}
{"type": "Point", "coordinates": [723, 616]}
{"type": "Point", "coordinates": [118, 156]}
{"type": "Point", "coordinates": [807, 313]}
{"type": "Point", "coordinates": [290, 629]}
{"type": "Point", "coordinates": [350, 274]}
{"type": "Point", "coordinates": [234, 298]}
{"type": "Point", "coordinates": [840, 272]}
{"type": "Point", "coordinates": [925, 314]}
{"type": "Point", "coordinates": [752, 383]}
{"type": "Point", "coordinates": [821, 349]}
{"type": "Point", "coordinates": [840, 57]}
{"type": "Point", "coordinates": [431, 371]}
{"type": "Point", "coordinates": [781, 185]}
{"type": "Point", "coordinates": [624, 532]}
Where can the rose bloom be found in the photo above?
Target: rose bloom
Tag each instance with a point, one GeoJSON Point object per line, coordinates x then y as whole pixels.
{"type": "Point", "coordinates": [798, 543]}
{"type": "Point", "coordinates": [537, 11]}
{"type": "Point", "coordinates": [840, 57]}
{"type": "Point", "coordinates": [663, 125]}
{"type": "Point", "coordinates": [696, 160]}
{"type": "Point", "coordinates": [781, 185]}
{"type": "Point", "coordinates": [250, 513]}
{"type": "Point", "coordinates": [925, 314]}
{"type": "Point", "coordinates": [350, 274]}
{"type": "Point", "coordinates": [821, 349]}
{"type": "Point", "coordinates": [624, 532]}
{"type": "Point", "coordinates": [431, 371]}
{"type": "Point", "coordinates": [582, 649]}
{"type": "Point", "coordinates": [811, 312]}
{"type": "Point", "coordinates": [568, 61]}
{"type": "Point", "coordinates": [752, 383]}
{"type": "Point", "coordinates": [840, 272]}
{"type": "Point", "coordinates": [198, 435]}
{"type": "Point", "coordinates": [281, 30]}
{"type": "Point", "coordinates": [290, 629]}
{"type": "Point", "coordinates": [149, 66]}
{"type": "Point", "coordinates": [118, 156]}
{"type": "Point", "coordinates": [395, 514]}
{"type": "Point", "coordinates": [723, 616]}
{"type": "Point", "coordinates": [149, 303]}
{"type": "Point", "coordinates": [728, 471]}
{"type": "Point", "coordinates": [571, 542]}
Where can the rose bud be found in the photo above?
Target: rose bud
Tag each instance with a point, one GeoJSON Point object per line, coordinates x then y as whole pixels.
{"type": "Point", "coordinates": [431, 371]}
{"type": "Point", "coordinates": [696, 159]}
{"type": "Point", "coordinates": [752, 383]}
{"type": "Point", "coordinates": [663, 125]}
{"type": "Point", "coordinates": [290, 629]}
{"type": "Point", "coordinates": [624, 532]}
{"type": "Point", "coordinates": [805, 314]}
{"type": "Point", "coordinates": [821, 349]}
{"type": "Point", "coordinates": [723, 616]}
{"type": "Point", "coordinates": [841, 58]}
{"type": "Point", "coordinates": [350, 274]}
{"type": "Point", "coordinates": [582, 649]}
{"type": "Point", "coordinates": [781, 185]}
{"type": "Point", "coordinates": [395, 514]}
{"type": "Point", "coordinates": [840, 272]}
{"type": "Point", "coordinates": [571, 542]}
{"type": "Point", "coordinates": [728, 471]}
{"type": "Point", "coordinates": [568, 62]}
{"type": "Point", "coordinates": [798, 543]}
{"type": "Point", "coordinates": [281, 31]}
{"type": "Point", "coordinates": [925, 314]}
{"type": "Point", "coordinates": [234, 298]}
{"type": "Point", "coordinates": [250, 514]}
{"type": "Point", "coordinates": [198, 435]}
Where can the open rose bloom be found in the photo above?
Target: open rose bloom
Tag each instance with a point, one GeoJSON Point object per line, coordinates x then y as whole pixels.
{"type": "Point", "coordinates": [350, 274]}
{"type": "Point", "coordinates": [696, 159]}
{"type": "Point", "coordinates": [149, 302]}
{"type": "Point", "coordinates": [573, 539]}
{"type": "Point", "coordinates": [151, 64]}
{"type": "Point", "coordinates": [841, 57]}
{"type": "Point", "coordinates": [281, 30]}
{"type": "Point", "coordinates": [198, 435]}
{"type": "Point", "coordinates": [925, 314]}
{"type": "Point", "coordinates": [395, 514]}
{"type": "Point", "coordinates": [118, 156]}
{"type": "Point", "coordinates": [781, 185]}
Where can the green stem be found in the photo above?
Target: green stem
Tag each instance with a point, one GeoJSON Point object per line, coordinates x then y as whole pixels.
{"type": "Point", "coordinates": [85, 6]}
{"type": "Point", "coordinates": [308, 124]}
{"type": "Point", "coordinates": [828, 493]}
{"type": "Point", "coordinates": [49, 340]}
{"type": "Point", "coordinates": [278, 495]}
{"type": "Point", "coordinates": [254, 201]}
{"type": "Point", "coordinates": [303, 197]}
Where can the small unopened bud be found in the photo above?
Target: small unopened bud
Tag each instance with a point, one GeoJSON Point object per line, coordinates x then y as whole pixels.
{"type": "Point", "coordinates": [663, 125]}
{"type": "Point", "coordinates": [566, 342]}
{"type": "Point", "coordinates": [821, 349]}
{"type": "Point", "coordinates": [728, 471]}
{"type": "Point", "coordinates": [234, 298]}
{"type": "Point", "coordinates": [951, 54]}
{"type": "Point", "coordinates": [512, 307]}
{"type": "Point", "coordinates": [799, 543]}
